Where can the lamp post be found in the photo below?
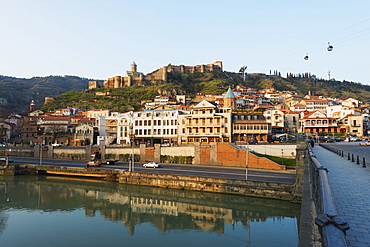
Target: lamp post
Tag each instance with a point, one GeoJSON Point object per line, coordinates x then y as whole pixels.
{"type": "Point", "coordinates": [246, 159]}
{"type": "Point", "coordinates": [282, 154]}
{"type": "Point", "coordinates": [246, 165]}
{"type": "Point", "coordinates": [7, 159]}
{"type": "Point", "coordinates": [131, 166]}
{"type": "Point", "coordinates": [40, 154]}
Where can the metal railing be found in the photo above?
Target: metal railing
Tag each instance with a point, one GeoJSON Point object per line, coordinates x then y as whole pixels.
{"type": "Point", "coordinates": [332, 228]}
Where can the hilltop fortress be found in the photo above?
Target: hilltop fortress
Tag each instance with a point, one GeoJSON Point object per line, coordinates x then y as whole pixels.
{"type": "Point", "coordinates": [133, 77]}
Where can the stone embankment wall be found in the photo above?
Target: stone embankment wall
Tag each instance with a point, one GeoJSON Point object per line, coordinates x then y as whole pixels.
{"type": "Point", "coordinates": [272, 190]}
{"type": "Point", "coordinates": [230, 186]}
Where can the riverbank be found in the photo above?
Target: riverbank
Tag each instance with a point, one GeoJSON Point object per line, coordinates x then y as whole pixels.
{"type": "Point", "coordinates": [280, 191]}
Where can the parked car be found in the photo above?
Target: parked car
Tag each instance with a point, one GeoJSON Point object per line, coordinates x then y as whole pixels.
{"type": "Point", "coordinates": [364, 143]}
{"type": "Point", "coordinates": [253, 142]}
{"type": "Point", "coordinates": [56, 145]}
{"type": "Point", "coordinates": [3, 159]}
{"type": "Point", "coordinates": [326, 139]}
{"type": "Point", "coordinates": [3, 145]}
{"type": "Point", "coordinates": [93, 163]}
{"type": "Point", "coordinates": [152, 165]}
{"type": "Point", "coordinates": [354, 139]}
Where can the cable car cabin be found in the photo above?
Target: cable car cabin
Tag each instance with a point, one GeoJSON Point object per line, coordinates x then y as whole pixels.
{"type": "Point", "coordinates": [330, 47]}
{"type": "Point", "coordinates": [306, 57]}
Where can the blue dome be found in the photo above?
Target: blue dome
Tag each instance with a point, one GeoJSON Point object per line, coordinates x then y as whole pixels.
{"type": "Point", "coordinates": [229, 94]}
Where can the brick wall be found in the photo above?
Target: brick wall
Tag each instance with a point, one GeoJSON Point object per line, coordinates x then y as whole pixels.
{"type": "Point", "coordinates": [149, 154]}
{"type": "Point", "coordinates": [227, 155]}
{"type": "Point", "coordinates": [205, 157]}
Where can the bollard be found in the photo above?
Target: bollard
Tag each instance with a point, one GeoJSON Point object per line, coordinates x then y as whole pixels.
{"type": "Point", "coordinates": [363, 162]}
{"type": "Point", "coordinates": [357, 160]}
{"type": "Point", "coordinates": [342, 153]}
{"type": "Point", "coordinates": [353, 158]}
{"type": "Point", "coordinates": [349, 156]}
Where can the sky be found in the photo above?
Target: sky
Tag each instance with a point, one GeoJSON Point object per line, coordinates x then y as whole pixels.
{"type": "Point", "coordinates": [99, 39]}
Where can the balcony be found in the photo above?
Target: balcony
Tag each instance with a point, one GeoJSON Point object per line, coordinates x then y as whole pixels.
{"type": "Point", "coordinates": [204, 124]}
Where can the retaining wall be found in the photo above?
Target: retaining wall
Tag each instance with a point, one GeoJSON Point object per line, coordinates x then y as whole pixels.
{"type": "Point", "coordinates": [279, 191]}
{"type": "Point", "coordinates": [271, 190]}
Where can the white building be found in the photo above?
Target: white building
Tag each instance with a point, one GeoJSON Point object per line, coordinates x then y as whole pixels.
{"type": "Point", "coordinates": [156, 126]}
{"type": "Point", "coordinates": [115, 128]}
{"type": "Point", "coordinates": [340, 111]}
{"type": "Point", "coordinates": [275, 117]}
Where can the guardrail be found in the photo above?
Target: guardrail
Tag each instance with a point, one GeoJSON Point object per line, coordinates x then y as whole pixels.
{"type": "Point", "coordinates": [332, 228]}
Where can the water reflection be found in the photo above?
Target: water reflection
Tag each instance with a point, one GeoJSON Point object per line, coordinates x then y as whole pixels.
{"type": "Point", "coordinates": [165, 209]}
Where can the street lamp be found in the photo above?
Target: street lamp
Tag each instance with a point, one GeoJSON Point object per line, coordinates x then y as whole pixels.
{"type": "Point", "coordinates": [131, 166]}
{"type": "Point", "coordinates": [246, 159]}
{"type": "Point", "coordinates": [40, 154]}
{"type": "Point", "coordinates": [282, 155]}
{"type": "Point", "coordinates": [7, 159]}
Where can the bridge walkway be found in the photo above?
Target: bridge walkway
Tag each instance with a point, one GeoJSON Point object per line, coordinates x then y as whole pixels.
{"type": "Point", "coordinates": [350, 184]}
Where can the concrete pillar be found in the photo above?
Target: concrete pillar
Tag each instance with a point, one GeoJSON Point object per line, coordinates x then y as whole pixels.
{"type": "Point", "coordinates": [157, 153]}
{"type": "Point", "coordinates": [301, 162]}
{"type": "Point", "coordinates": [36, 151]}
{"type": "Point", "coordinates": [143, 153]}
{"type": "Point", "coordinates": [102, 151]}
{"type": "Point", "coordinates": [213, 153]}
{"type": "Point", "coordinates": [196, 160]}
{"type": "Point", "coordinates": [88, 152]}
{"type": "Point", "coordinates": [50, 154]}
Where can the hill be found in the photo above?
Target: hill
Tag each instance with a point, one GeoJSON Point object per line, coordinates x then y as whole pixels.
{"type": "Point", "coordinates": [129, 98]}
{"type": "Point", "coordinates": [16, 93]}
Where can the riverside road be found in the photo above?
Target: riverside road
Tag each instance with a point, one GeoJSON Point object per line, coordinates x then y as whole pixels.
{"type": "Point", "coordinates": [181, 169]}
{"type": "Point", "coordinates": [349, 182]}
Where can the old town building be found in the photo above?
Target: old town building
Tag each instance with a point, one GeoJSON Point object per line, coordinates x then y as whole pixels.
{"type": "Point", "coordinates": [250, 126]}
{"type": "Point", "coordinates": [206, 123]}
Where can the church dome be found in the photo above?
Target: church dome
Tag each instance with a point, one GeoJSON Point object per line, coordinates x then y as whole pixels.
{"type": "Point", "coordinates": [229, 94]}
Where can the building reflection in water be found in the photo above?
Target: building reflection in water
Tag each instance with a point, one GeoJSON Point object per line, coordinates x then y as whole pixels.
{"type": "Point", "coordinates": [166, 209]}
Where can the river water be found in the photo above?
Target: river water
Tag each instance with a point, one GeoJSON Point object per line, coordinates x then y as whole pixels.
{"type": "Point", "coordinates": [59, 211]}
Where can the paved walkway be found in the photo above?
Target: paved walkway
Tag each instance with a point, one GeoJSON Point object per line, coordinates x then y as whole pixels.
{"type": "Point", "coordinates": [350, 184]}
